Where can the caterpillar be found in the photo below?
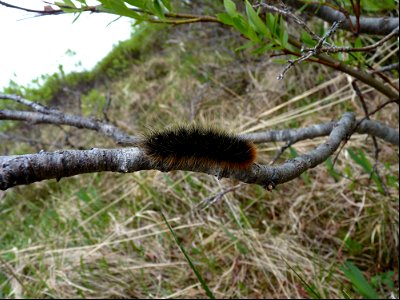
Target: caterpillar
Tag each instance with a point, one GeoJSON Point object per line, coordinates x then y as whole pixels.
{"type": "Point", "coordinates": [196, 146]}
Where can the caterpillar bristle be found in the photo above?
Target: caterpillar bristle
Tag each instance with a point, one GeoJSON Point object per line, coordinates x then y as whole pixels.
{"type": "Point", "coordinates": [198, 146]}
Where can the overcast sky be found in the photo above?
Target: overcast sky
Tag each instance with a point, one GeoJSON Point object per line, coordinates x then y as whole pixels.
{"type": "Point", "coordinates": [30, 47]}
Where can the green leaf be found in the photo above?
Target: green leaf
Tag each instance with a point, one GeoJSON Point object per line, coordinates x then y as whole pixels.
{"type": "Point", "coordinates": [280, 61]}
{"type": "Point", "coordinates": [283, 35]}
{"type": "Point", "coordinates": [392, 181]}
{"type": "Point", "coordinates": [81, 194]}
{"type": "Point", "coordinates": [255, 21]}
{"type": "Point", "coordinates": [331, 170]}
{"type": "Point", "coordinates": [230, 8]}
{"type": "Point", "coordinates": [67, 6]}
{"type": "Point", "coordinates": [69, 3]}
{"type": "Point", "coordinates": [383, 279]}
{"type": "Point", "coordinates": [376, 6]}
{"type": "Point", "coordinates": [272, 22]}
{"type": "Point", "coordinates": [225, 18]}
{"type": "Point", "coordinates": [307, 39]}
{"type": "Point", "coordinates": [138, 3]}
{"type": "Point", "coordinates": [158, 10]}
{"type": "Point", "coordinates": [252, 35]}
{"type": "Point", "coordinates": [241, 24]}
{"type": "Point", "coordinates": [361, 159]}
{"type": "Point", "coordinates": [285, 39]}
{"type": "Point", "coordinates": [245, 46]}
{"type": "Point", "coordinates": [263, 49]}
{"type": "Point", "coordinates": [358, 43]}
{"type": "Point", "coordinates": [118, 7]}
{"type": "Point", "coordinates": [167, 4]}
{"type": "Point", "coordinates": [353, 246]}
{"type": "Point", "coordinates": [358, 280]}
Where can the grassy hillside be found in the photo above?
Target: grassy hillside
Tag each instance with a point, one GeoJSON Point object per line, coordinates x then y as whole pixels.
{"type": "Point", "coordinates": [102, 235]}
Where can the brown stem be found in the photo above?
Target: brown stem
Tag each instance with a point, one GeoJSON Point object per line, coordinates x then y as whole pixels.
{"type": "Point", "coordinates": [362, 76]}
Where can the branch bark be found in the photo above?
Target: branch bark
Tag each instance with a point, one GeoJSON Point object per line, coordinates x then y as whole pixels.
{"type": "Point", "coordinates": [335, 49]}
{"type": "Point", "coordinates": [26, 169]}
{"type": "Point", "coordinates": [358, 74]}
{"type": "Point", "coordinates": [370, 127]}
{"type": "Point", "coordinates": [367, 25]}
{"type": "Point", "coordinates": [66, 119]}
{"type": "Point", "coordinates": [45, 115]}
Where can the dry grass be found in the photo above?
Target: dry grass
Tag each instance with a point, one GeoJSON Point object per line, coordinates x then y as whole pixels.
{"type": "Point", "coordinates": [102, 235]}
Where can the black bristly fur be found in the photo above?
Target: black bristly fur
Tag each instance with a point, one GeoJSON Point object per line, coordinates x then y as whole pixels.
{"type": "Point", "coordinates": [195, 146]}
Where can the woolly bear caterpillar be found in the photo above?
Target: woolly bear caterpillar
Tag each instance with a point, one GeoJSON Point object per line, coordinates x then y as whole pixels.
{"type": "Point", "coordinates": [197, 146]}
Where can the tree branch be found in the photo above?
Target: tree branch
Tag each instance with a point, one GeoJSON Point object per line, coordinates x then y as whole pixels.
{"type": "Point", "coordinates": [365, 126]}
{"type": "Point", "coordinates": [29, 10]}
{"type": "Point", "coordinates": [66, 119]}
{"type": "Point", "coordinates": [53, 116]}
{"type": "Point", "coordinates": [34, 105]}
{"type": "Point", "coordinates": [172, 18]}
{"type": "Point", "coordinates": [311, 52]}
{"type": "Point", "coordinates": [334, 49]}
{"type": "Point", "coordinates": [45, 115]}
{"type": "Point", "coordinates": [360, 75]}
{"type": "Point", "coordinates": [367, 25]}
{"type": "Point", "coordinates": [387, 68]}
{"type": "Point", "coordinates": [316, 55]}
{"type": "Point", "coordinates": [26, 169]}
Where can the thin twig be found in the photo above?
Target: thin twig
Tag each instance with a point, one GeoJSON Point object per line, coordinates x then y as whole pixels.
{"type": "Point", "coordinates": [387, 68]}
{"type": "Point", "coordinates": [334, 49]}
{"type": "Point", "coordinates": [34, 105]}
{"type": "Point", "coordinates": [171, 18]}
{"type": "Point", "coordinates": [43, 114]}
{"type": "Point", "coordinates": [279, 153]}
{"type": "Point", "coordinates": [330, 13]}
{"type": "Point", "coordinates": [378, 108]}
{"type": "Point", "coordinates": [287, 13]}
{"type": "Point", "coordinates": [357, 11]}
{"type": "Point", "coordinates": [374, 139]}
{"type": "Point", "coordinates": [310, 52]}
{"type": "Point", "coordinates": [207, 202]}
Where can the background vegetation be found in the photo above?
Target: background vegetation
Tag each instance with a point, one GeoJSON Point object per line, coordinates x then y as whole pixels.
{"type": "Point", "coordinates": [331, 233]}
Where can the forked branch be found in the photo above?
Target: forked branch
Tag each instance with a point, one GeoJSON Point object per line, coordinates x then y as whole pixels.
{"type": "Point", "coordinates": [26, 169]}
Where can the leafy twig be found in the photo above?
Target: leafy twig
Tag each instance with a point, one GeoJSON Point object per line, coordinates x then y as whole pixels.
{"type": "Point", "coordinates": [310, 52]}
{"type": "Point", "coordinates": [334, 49]}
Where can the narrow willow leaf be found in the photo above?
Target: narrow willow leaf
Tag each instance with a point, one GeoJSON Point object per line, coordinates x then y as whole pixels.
{"type": "Point", "coordinates": [225, 18]}
{"type": "Point", "coordinates": [167, 4]}
{"type": "Point", "coordinates": [230, 8]}
{"type": "Point", "coordinates": [255, 20]}
{"type": "Point", "coordinates": [158, 9]}
{"type": "Point", "coordinates": [358, 280]}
